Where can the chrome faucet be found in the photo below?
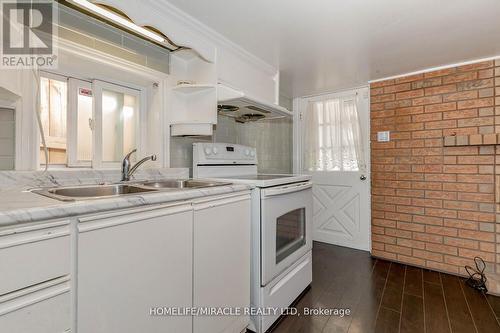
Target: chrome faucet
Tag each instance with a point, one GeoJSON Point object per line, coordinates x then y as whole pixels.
{"type": "Point", "coordinates": [127, 171]}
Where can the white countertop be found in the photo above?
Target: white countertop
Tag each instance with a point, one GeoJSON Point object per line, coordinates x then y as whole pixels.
{"type": "Point", "coordinates": [18, 206]}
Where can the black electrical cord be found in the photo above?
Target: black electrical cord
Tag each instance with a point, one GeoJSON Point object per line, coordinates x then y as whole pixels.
{"type": "Point", "coordinates": [477, 278]}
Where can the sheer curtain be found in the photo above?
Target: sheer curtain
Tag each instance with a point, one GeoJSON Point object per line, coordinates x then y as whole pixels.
{"type": "Point", "coordinates": [332, 136]}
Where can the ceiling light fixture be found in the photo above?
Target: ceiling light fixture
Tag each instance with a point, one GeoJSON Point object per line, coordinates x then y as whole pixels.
{"type": "Point", "coordinates": [100, 11]}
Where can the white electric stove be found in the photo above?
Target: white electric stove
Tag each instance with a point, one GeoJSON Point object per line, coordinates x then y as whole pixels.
{"type": "Point", "coordinates": [281, 227]}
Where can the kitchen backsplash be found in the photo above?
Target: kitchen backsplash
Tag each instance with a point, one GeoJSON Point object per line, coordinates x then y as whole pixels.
{"type": "Point", "coordinates": [271, 138]}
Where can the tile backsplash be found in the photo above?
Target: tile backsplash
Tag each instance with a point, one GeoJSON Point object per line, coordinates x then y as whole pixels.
{"type": "Point", "coordinates": [271, 138]}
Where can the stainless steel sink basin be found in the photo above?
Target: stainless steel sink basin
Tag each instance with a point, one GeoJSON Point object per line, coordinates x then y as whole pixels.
{"type": "Point", "coordinates": [114, 190]}
{"type": "Point", "coordinates": [179, 184]}
{"type": "Point", "coordinates": [92, 192]}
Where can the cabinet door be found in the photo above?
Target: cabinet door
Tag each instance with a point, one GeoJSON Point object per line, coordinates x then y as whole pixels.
{"type": "Point", "coordinates": [34, 254]}
{"type": "Point", "coordinates": [131, 263]}
{"type": "Point", "coordinates": [43, 308]}
{"type": "Point", "coordinates": [222, 262]}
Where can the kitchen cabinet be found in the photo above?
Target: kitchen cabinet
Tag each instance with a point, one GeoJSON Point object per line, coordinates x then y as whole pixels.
{"type": "Point", "coordinates": [193, 104]}
{"type": "Point", "coordinates": [130, 262]}
{"type": "Point", "coordinates": [33, 254]}
{"type": "Point", "coordinates": [221, 277]}
{"type": "Point", "coordinates": [42, 308]}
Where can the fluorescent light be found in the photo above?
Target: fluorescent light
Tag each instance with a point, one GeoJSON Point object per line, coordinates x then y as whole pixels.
{"type": "Point", "coordinates": [118, 19]}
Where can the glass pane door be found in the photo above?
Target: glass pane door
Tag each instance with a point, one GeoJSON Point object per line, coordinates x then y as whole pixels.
{"type": "Point", "coordinates": [117, 115]}
{"type": "Point", "coordinates": [80, 123]}
{"type": "Point", "coordinates": [53, 112]}
{"type": "Point", "coordinates": [119, 119]}
{"type": "Point", "coordinates": [290, 233]}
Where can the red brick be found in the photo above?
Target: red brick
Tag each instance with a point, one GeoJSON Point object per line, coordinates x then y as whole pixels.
{"type": "Point", "coordinates": [477, 235]}
{"type": "Point", "coordinates": [425, 237]}
{"type": "Point", "coordinates": [427, 100]}
{"type": "Point", "coordinates": [427, 255]}
{"type": "Point", "coordinates": [460, 77]}
{"type": "Point", "coordinates": [441, 248]}
{"type": "Point", "coordinates": [441, 124]}
{"type": "Point", "coordinates": [444, 231]}
{"type": "Point", "coordinates": [396, 88]}
{"type": "Point", "coordinates": [476, 103]}
{"type": "Point", "coordinates": [440, 89]}
{"type": "Point", "coordinates": [383, 254]}
{"type": "Point", "coordinates": [440, 72]}
{"type": "Point", "coordinates": [460, 114]}
{"type": "Point", "coordinates": [460, 242]}
{"type": "Point", "coordinates": [411, 226]}
{"type": "Point", "coordinates": [383, 98]}
{"type": "Point", "coordinates": [411, 243]}
{"type": "Point", "coordinates": [398, 249]}
{"type": "Point", "coordinates": [431, 220]}
{"type": "Point", "coordinates": [488, 257]}
{"type": "Point", "coordinates": [410, 94]}
{"type": "Point", "coordinates": [461, 224]}
{"type": "Point", "coordinates": [460, 96]}
{"type": "Point", "coordinates": [381, 83]}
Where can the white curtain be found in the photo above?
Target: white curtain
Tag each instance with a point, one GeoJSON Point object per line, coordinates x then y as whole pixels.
{"type": "Point", "coordinates": [332, 136]}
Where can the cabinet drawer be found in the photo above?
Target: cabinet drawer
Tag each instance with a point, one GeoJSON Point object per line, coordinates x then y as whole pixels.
{"type": "Point", "coordinates": [32, 255]}
{"type": "Point", "coordinates": [44, 308]}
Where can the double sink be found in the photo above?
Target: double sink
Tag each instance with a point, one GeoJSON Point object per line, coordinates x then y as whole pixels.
{"type": "Point", "coordinates": [112, 190]}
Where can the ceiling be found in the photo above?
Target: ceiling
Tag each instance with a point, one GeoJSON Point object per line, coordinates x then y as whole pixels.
{"type": "Point", "coordinates": [326, 45]}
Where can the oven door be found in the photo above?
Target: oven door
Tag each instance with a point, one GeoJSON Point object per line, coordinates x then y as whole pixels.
{"type": "Point", "coordinates": [286, 217]}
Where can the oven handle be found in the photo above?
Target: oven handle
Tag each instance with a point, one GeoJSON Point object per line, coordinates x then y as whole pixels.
{"type": "Point", "coordinates": [269, 192]}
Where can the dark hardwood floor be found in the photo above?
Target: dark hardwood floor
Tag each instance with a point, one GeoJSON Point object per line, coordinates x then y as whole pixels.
{"type": "Point", "coordinates": [388, 297]}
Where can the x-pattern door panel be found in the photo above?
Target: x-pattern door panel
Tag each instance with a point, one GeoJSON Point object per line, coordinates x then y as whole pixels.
{"type": "Point", "coordinates": [336, 214]}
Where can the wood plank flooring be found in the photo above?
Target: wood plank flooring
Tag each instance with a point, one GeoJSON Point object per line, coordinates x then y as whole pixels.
{"type": "Point", "coordinates": [388, 297]}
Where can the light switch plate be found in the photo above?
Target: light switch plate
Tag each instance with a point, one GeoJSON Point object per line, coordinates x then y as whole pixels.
{"type": "Point", "coordinates": [384, 136]}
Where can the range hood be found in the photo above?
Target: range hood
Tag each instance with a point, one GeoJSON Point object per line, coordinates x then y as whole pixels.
{"type": "Point", "coordinates": [244, 108]}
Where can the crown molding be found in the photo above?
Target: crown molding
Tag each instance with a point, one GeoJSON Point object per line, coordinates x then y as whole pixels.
{"type": "Point", "coordinates": [432, 69]}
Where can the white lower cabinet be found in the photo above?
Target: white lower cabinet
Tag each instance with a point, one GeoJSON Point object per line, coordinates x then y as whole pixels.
{"type": "Point", "coordinates": [34, 278]}
{"type": "Point", "coordinates": [43, 308]}
{"type": "Point", "coordinates": [131, 262]}
{"type": "Point", "coordinates": [121, 271]}
{"type": "Point", "coordinates": [221, 262]}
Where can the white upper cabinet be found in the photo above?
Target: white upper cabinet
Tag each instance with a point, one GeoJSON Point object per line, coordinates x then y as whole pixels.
{"type": "Point", "coordinates": [192, 94]}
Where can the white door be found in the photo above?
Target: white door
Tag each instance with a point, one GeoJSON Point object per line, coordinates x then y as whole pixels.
{"type": "Point", "coordinates": [129, 264]}
{"type": "Point", "coordinates": [334, 147]}
{"type": "Point", "coordinates": [221, 264]}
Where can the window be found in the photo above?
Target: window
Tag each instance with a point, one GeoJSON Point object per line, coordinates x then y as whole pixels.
{"type": "Point", "coordinates": [53, 108]}
{"type": "Point", "coordinates": [332, 136]}
{"type": "Point", "coordinates": [290, 233]}
{"type": "Point", "coordinates": [79, 136]}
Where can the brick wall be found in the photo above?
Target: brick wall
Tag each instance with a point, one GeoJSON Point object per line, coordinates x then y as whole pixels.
{"type": "Point", "coordinates": [434, 206]}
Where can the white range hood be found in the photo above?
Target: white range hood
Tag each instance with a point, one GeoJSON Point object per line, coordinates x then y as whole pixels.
{"type": "Point", "coordinates": [244, 108]}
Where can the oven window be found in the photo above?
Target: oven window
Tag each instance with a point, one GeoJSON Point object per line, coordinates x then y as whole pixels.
{"type": "Point", "coordinates": [290, 233]}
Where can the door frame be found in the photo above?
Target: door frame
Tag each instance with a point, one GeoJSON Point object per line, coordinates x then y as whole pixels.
{"type": "Point", "coordinates": [300, 107]}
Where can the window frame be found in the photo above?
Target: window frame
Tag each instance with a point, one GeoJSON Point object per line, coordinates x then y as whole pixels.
{"type": "Point", "coordinates": [97, 88]}
{"type": "Point", "coordinates": [60, 78]}
{"type": "Point", "coordinates": [72, 134]}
